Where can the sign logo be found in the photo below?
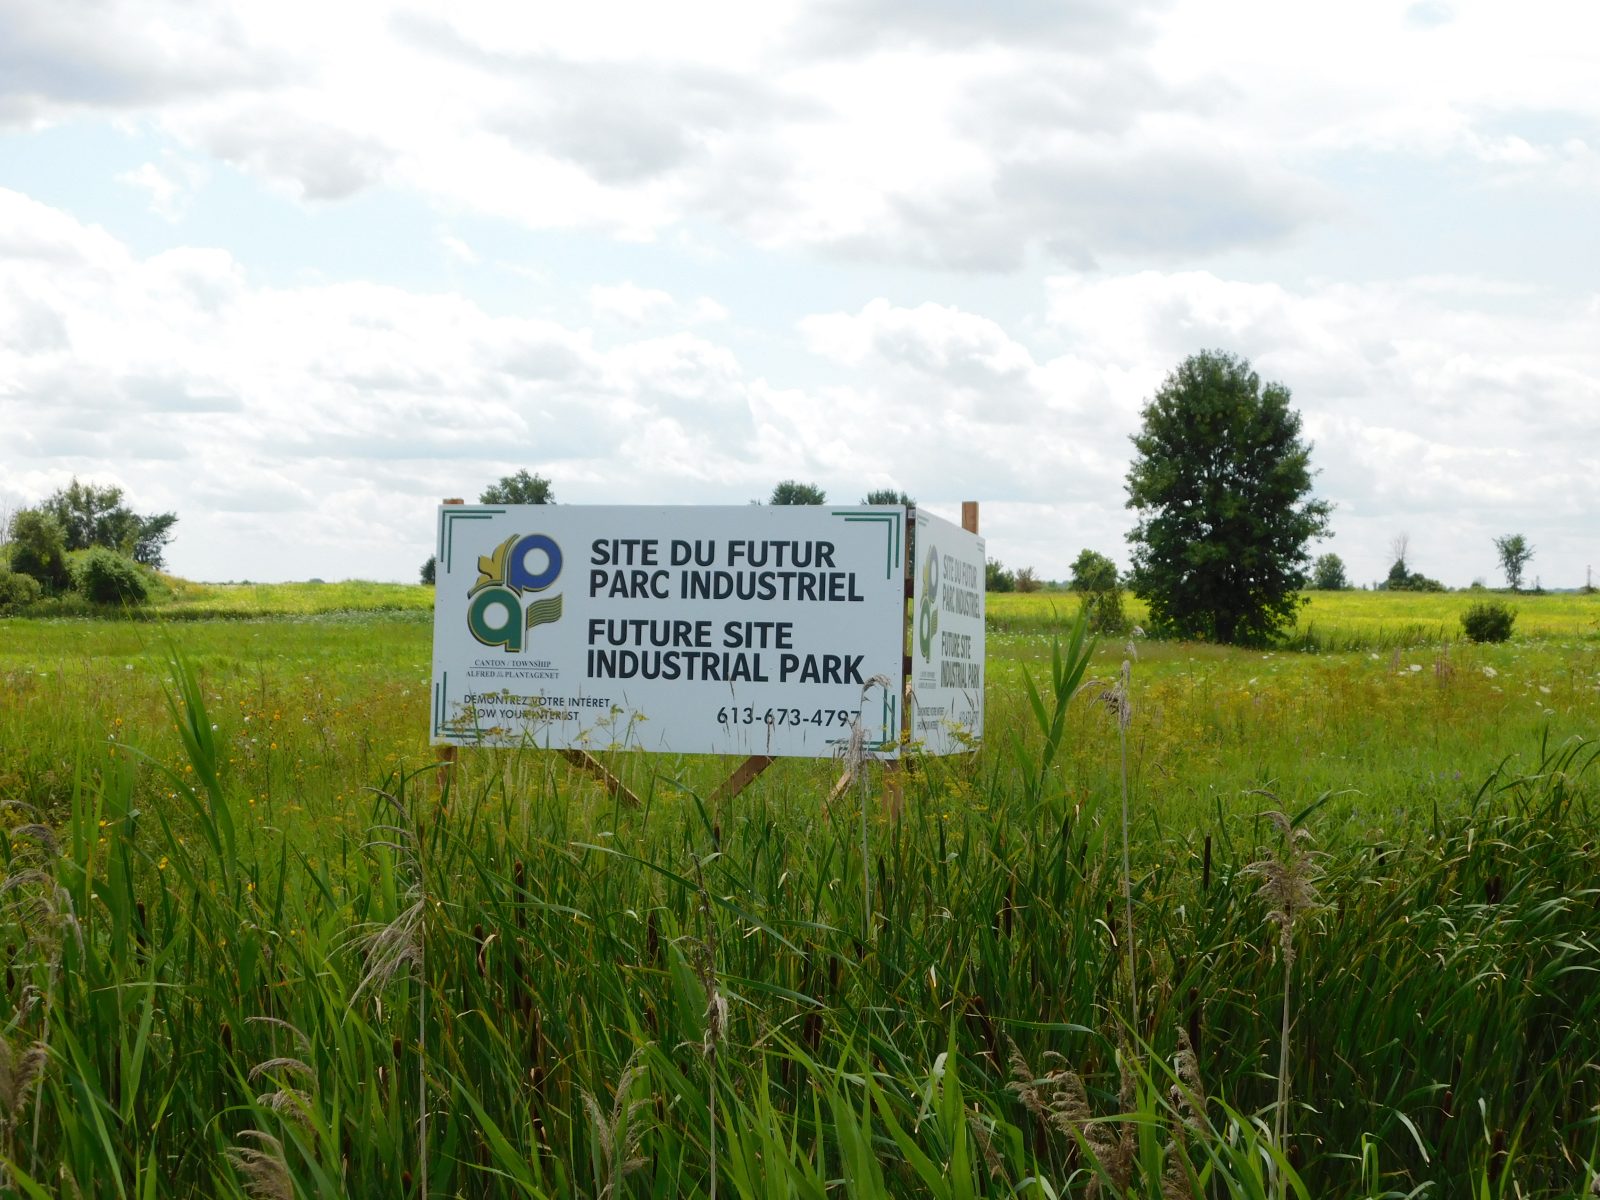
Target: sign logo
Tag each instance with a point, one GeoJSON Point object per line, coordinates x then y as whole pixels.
{"type": "Point", "coordinates": [928, 614]}
{"type": "Point", "coordinates": [498, 614]}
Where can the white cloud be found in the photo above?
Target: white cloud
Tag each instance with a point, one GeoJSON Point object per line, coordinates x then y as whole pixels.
{"type": "Point", "coordinates": [1173, 164]}
{"type": "Point", "coordinates": [638, 306]}
{"type": "Point", "coordinates": [946, 134]}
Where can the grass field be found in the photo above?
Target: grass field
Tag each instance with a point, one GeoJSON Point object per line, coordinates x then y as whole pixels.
{"type": "Point", "coordinates": [265, 956]}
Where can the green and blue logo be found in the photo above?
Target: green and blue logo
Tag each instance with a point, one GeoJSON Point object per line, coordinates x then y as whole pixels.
{"type": "Point", "coordinates": [504, 604]}
{"type": "Point", "coordinates": [928, 616]}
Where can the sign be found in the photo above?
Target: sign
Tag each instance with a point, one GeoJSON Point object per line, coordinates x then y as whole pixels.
{"type": "Point", "coordinates": [947, 651]}
{"type": "Point", "coordinates": [748, 630]}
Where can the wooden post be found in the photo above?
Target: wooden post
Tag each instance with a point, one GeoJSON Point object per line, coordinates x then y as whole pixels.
{"type": "Point", "coordinates": [969, 515]}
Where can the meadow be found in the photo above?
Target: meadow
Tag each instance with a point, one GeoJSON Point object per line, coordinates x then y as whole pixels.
{"type": "Point", "coordinates": [260, 944]}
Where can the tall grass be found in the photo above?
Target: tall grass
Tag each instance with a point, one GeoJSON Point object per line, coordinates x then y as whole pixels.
{"type": "Point", "coordinates": [185, 937]}
{"type": "Point", "coordinates": [212, 1026]}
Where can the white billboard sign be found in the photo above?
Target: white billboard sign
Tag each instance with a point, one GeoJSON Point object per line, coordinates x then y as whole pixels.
{"type": "Point", "coordinates": [947, 651]}
{"type": "Point", "coordinates": [745, 630]}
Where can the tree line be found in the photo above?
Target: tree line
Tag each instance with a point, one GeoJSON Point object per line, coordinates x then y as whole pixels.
{"type": "Point", "coordinates": [1220, 484]}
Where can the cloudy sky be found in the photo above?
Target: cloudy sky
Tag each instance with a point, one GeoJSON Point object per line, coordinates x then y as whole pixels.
{"type": "Point", "coordinates": [298, 270]}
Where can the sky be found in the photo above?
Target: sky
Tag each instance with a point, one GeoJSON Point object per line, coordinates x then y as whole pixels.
{"type": "Point", "coordinates": [299, 271]}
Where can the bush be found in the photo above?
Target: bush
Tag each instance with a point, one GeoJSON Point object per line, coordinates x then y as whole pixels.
{"type": "Point", "coordinates": [17, 590]}
{"type": "Point", "coordinates": [1490, 621]}
{"type": "Point", "coordinates": [106, 577]}
{"type": "Point", "coordinates": [39, 549]}
{"type": "Point", "coordinates": [430, 569]}
{"type": "Point", "coordinates": [1106, 614]}
{"type": "Point", "coordinates": [996, 578]}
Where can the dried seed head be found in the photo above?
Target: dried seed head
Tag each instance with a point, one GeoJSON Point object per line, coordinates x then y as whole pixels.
{"type": "Point", "coordinates": [1288, 882]}
{"type": "Point", "coordinates": [1190, 1096]}
{"type": "Point", "coordinates": [391, 947]}
{"type": "Point", "coordinates": [20, 1069]}
{"type": "Point", "coordinates": [619, 1134]}
{"type": "Point", "coordinates": [262, 1170]}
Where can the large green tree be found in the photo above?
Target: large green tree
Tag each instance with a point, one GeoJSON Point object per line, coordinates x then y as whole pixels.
{"type": "Point", "coordinates": [520, 488]}
{"type": "Point", "coordinates": [1221, 484]}
{"type": "Point", "coordinates": [93, 515]}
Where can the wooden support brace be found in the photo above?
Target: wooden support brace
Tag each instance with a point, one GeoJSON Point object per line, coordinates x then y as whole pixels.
{"type": "Point", "coordinates": [842, 786]}
{"type": "Point", "coordinates": [743, 776]}
{"type": "Point", "coordinates": [585, 761]}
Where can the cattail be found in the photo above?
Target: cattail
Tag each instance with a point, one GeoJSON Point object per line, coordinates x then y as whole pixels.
{"type": "Point", "coordinates": [978, 1012]}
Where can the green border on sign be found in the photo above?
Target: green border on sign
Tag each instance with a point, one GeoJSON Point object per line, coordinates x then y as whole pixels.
{"type": "Point", "coordinates": [892, 528]}
{"type": "Point", "coordinates": [448, 518]}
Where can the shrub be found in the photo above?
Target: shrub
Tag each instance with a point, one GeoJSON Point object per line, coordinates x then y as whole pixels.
{"type": "Point", "coordinates": [996, 578]}
{"type": "Point", "coordinates": [106, 577]}
{"type": "Point", "coordinates": [1106, 614]}
{"type": "Point", "coordinates": [1489, 621]}
{"type": "Point", "coordinates": [39, 549]}
{"type": "Point", "coordinates": [1095, 577]}
{"type": "Point", "coordinates": [430, 569]}
{"type": "Point", "coordinates": [17, 590]}
{"type": "Point", "coordinates": [1026, 580]}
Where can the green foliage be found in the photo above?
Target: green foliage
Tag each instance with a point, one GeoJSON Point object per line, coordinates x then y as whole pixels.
{"type": "Point", "coordinates": [996, 578]}
{"type": "Point", "coordinates": [1327, 574]}
{"type": "Point", "coordinates": [17, 591]}
{"type": "Point", "coordinates": [1093, 572]}
{"type": "Point", "coordinates": [1026, 580]}
{"type": "Point", "coordinates": [792, 491]}
{"type": "Point", "coordinates": [521, 488]}
{"type": "Point", "coordinates": [887, 496]}
{"type": "Point", "coordinates": [1515, 554]}
{"type": "Point", "coordinates": [430, 569]}
{"type": "Point", "coordinates": [106, 577]}
{"type": "Point", "coordinates": [97, 516]}
{"type": "Point", "coordinates": [39, 549]}
{"type": "Point", "coordinates": [149, 547]}
{"type": "Point", "coordinates": [1094, 576]}
{"type": "Point", "coordinates": [1489, 621]}
{"type": "Point", "coordinates": [1403, 579]}
{"type": "Point", "coordinates": [1221, 483]}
